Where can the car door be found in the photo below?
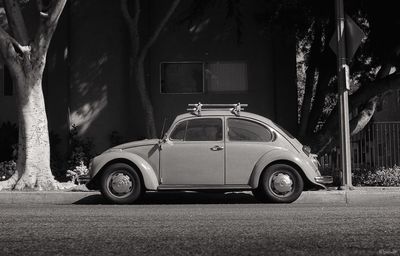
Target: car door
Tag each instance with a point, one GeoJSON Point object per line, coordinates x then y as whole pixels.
{"type": "Point", "coordinates": [246, 142]}
{"type": "Point", "coordinates": [194, 153]}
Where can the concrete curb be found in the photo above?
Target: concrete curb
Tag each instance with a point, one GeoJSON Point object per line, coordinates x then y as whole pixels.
{"type": "Point", "coordinates": [43, 197]}
{"type": "Point", "coordinates": [357, 196]}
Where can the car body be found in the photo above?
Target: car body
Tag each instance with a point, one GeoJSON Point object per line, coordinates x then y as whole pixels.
{"type": "Point", "coordinates": [214, 149]}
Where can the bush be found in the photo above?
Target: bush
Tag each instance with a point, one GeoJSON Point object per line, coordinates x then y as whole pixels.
{"type": "Point", "coordinates": [78, 174]}
{"type": "Point", "coordinates": [81, 150]}
{"type": "Point", "coordinates": [7, 169]}
{"type": "Point", "coordinates": [385, 177]}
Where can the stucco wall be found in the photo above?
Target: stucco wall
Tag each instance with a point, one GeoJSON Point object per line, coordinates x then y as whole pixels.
{"type": "Point", "coordinates": [270, 59]}
{"type": "Point", "coordinates": [86, 77]}
{"type": "Point", "coordinates": [98, 70]}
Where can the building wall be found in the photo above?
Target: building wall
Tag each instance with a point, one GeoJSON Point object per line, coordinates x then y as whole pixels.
{"type": "Point", "coordinates": [86, 80]}
{"type": "Point", "coordinates": [98, 70]}
{"type": "Point", "coordinates": [269, 55]}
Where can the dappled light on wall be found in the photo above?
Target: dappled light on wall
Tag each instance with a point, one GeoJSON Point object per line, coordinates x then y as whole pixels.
{"type": "Point", "coordinates": [84, 116]}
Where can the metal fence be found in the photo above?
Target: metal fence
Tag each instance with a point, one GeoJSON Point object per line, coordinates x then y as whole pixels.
{"type": "Point", "coordinates": [376, 146]}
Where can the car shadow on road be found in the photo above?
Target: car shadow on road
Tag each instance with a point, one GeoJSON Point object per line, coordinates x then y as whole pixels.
{"type": "Point", "coordinates": [153, 198]}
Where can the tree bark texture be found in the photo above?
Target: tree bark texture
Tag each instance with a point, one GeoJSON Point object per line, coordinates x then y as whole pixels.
{"type": "Point", "coordinates": [26, 62]}
{"type": "Point", "coordinates": [34, 145]}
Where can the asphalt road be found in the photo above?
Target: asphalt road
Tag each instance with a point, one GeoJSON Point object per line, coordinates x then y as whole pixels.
{"type": "Point", "coordinates": [183, 228]}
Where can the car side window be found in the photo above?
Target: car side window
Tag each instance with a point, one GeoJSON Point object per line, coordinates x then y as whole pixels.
{"type": "Point", "coordinates": [245, 130]}
{"type": "Point", "coordinates": [179, 132]}
{"type": "Point", "coordinates": [202, 129]}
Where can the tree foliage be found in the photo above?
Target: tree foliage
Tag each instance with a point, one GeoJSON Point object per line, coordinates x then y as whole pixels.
{"type": "Point", "coordinates": [374, 69]}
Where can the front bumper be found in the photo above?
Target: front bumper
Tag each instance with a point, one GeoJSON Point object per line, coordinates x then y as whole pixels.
{"type": "Point", "coordinates": [324, 179]}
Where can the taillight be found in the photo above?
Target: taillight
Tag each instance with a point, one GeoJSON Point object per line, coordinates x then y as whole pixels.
{"type": "Point", "coordinates": [307, 150]}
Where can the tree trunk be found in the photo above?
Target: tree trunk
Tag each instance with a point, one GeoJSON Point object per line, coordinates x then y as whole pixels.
{"type": "Point", "coordinates": [26, 60]}
{"type": "Point", "coordinates": [310, 79]}
{"type": "Point", "coordinates": [138, 55]}
{"type": "Point", "coordinates": [147, 106]}
{"type": "Point", "coordinates": [33, 162]}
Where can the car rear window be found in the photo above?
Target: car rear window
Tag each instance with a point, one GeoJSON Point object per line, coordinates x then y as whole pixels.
{"type": "Point", "coordinates": [245, 130]}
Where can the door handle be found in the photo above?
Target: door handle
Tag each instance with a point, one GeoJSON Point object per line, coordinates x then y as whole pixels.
{"type": "Point", "coordinates": [217, 148]}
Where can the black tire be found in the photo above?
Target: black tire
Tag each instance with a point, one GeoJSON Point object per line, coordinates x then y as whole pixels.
{"type": "Point", "coordinates": [121, 184]}
{"type": "Point", "coordinates": [279, 183]}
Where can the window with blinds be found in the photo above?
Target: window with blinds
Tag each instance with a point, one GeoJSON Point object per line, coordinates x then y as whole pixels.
{"type": "Point", "coordinates": [226, 77]}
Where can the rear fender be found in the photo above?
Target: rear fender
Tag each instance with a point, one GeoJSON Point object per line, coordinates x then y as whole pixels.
{"type": "Point", "coordinates": [282, 155]}
{"type": "Point", "coordinates": [149, 175]}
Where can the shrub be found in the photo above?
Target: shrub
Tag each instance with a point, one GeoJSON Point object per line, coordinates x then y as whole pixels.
{"type": "Point", "coordinates": [78, 173]}
{"type": "Point", "coordinates": [81, 150]}
{"type": "Point", "coordinates": [7, 169]}
{"type": "Point", "coordinates": [383, 176]}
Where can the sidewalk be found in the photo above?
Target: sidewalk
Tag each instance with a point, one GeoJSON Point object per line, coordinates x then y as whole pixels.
{"type": "Point", "coordinates": [360, 195]}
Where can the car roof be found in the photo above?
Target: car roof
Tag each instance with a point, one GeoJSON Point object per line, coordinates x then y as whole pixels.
{"type": "Point", "coordinates": [225, 113]}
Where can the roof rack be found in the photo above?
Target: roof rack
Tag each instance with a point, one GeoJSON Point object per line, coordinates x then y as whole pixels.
{"type": "Point", "coordinates": [234, 108]}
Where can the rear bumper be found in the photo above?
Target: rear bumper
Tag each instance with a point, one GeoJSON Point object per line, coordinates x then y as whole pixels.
{"type": "Point", "coordinates": [324, 179]}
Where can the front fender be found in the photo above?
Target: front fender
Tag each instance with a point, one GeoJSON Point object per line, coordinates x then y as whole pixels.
{"type": "Point", "coordinates": [285, 155]}
{"type": "Point", "coordinates": [148, 173]}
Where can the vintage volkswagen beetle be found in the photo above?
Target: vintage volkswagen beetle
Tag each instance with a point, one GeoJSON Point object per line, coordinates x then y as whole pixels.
{"type": "Point", "coordinates": [213, 147]}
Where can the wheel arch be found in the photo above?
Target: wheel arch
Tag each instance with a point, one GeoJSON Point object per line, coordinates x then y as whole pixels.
{"type": "Point", "coordinates": [146, 172]}
{"type": "Point", "coordinates": [281, 157]}
{"type": "Point", "coordinates": [307, 184]}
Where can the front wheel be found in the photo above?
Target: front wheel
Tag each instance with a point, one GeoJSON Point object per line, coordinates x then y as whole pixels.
{"type": "Point", "coordinates": [121, 184]}
{"type": "Point", "coordinates": [279, 183]}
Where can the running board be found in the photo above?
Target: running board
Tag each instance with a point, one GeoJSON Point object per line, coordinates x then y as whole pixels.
{"type": "Point", "coordinates": [204, 187]}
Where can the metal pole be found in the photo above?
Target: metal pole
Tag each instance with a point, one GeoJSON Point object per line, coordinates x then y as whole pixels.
{"type": "Point", "coordinates": [344, 86]}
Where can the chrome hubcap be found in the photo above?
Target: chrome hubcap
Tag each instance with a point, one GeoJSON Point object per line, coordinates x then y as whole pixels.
{"type": "Point", "coordinates": [281, 184]}
{"type": "Point", "coordinates": [121, 183]}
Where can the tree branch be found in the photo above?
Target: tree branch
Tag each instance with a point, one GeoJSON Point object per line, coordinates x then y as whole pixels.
{"type": "Point", "coordinates": [125, 13]}
{"type": "Point", "coordinates": [132, 23]}
{"type": "Point", "coordinates": [326, 71]}
{"type": "Point", "coordinates": [365, 94]}
{"type": "Point", "coordinates": [9, 48]}
{"type": "Point", "coordinates": [310, 78]}
{"type": "Point", "coordinates": [158, 30]}
{"type": "Point", "coordinates": [16, 21]}
{"type": "Point", "coordinates": [358, 123]}
{"type": "Point", "coordinates": [47, 26]}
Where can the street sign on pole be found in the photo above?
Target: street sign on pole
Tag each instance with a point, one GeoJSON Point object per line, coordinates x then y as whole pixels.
{"type": "Point", "coordinates": [343, 84]}
{"type": "Point", "coordinates": [353, 38]}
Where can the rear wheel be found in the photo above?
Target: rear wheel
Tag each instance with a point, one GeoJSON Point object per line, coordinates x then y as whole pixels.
{"type": "Point", "coordinates": [121, 184]}
{"type": "Point", "coordinates": [279, 183]}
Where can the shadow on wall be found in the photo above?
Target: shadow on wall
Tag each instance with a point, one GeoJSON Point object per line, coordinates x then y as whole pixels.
{"type": "Point", "coordinates": [98, 70]}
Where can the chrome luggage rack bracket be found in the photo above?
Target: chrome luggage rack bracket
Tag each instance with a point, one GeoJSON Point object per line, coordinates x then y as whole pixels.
{"type": "Point", "coordinates": [196, 109]}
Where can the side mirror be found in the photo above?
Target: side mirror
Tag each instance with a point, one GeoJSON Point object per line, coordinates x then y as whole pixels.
{"type": "Point", "coordinates": [162, 141]}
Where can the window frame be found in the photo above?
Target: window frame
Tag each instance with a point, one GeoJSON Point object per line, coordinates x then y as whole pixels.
{"type": "Point", "coordinates": [271, 131]}
{"type": "Point", "coordinates": [181, 62]}
{"type": "Point", "coordinates": [197, 141]}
